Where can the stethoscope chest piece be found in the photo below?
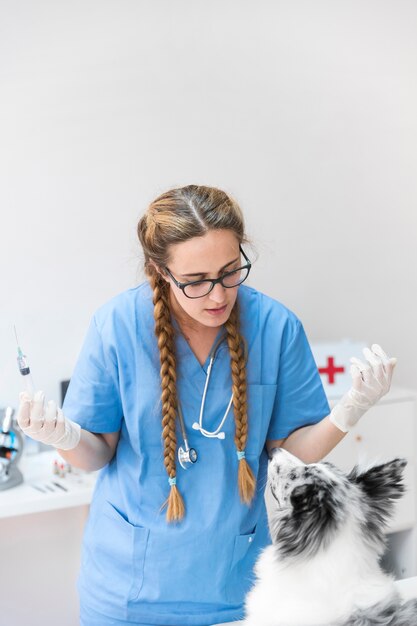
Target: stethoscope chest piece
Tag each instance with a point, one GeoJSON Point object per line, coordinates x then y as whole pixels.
{"type": "Point", "coordinates": [187, 456]}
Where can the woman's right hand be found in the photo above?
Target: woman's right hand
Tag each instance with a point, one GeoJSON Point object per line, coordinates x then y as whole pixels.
{"type": "Point", "coordinates": [46, 424]}
{"type": "Point", "coordinates": [370, 381]}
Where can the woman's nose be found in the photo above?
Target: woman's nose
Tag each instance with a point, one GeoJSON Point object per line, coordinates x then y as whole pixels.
{"type": "Point", "coordinates": [217, 293]}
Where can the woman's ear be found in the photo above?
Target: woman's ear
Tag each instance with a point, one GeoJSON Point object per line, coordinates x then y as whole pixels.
{"type": "Point", "coordinates": [158, 270]}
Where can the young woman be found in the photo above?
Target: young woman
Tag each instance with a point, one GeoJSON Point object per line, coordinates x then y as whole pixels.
{"type": "Point", "coordinates": [182, 386]}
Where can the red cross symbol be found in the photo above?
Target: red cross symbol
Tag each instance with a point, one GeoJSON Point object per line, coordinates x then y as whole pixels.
{"type": "Point", "coordinates": [331, 370]}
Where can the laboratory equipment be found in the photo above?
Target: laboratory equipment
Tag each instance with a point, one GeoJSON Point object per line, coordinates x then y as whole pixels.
{"type": "Point", "coordinates": [11, 448]}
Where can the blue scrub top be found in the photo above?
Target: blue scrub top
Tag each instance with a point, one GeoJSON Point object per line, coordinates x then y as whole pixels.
{"type": "Point", "coordinates": [136, 566]}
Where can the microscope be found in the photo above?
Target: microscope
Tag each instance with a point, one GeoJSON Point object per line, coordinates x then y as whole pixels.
{"type": "Point", "coordinates": [11, 448]}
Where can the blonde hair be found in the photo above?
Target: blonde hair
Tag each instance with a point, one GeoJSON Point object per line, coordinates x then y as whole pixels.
{"type": "Point", "coordinates": [174, 217]}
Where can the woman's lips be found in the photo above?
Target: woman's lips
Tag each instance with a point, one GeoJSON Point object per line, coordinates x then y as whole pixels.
{"type": "Point", "coordinates": [217, 311]}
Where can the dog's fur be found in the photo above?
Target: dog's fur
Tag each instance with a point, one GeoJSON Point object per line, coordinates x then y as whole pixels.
{"type": "Point", "coordinates": [327, 531]}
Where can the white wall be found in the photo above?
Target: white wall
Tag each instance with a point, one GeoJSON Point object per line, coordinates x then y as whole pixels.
{"type": "Point", "coordinates": [304, 111]}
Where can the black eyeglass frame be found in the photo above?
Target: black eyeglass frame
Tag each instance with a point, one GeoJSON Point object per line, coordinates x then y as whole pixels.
{"type": "Point", "coordinates": [213, 281]}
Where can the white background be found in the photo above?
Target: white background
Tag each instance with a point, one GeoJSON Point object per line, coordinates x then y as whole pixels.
{"type": "Point", "coordinates": [305, 111]}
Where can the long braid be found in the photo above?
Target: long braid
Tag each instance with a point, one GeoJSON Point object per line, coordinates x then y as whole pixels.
{"type": "Point", "coordinates": [246, 479]}
{"type": "Point", "coordinates": [164, 332]}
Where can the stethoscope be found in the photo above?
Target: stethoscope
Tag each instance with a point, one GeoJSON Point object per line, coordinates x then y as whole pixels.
{"type": "Point", "coordinates": [186, 455]}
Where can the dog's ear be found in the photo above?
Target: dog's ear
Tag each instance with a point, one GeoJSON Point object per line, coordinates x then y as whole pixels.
{"type": "Point", "coordinates": [381, 483]}
{"type": "Point", "coordinates": [303, 498]}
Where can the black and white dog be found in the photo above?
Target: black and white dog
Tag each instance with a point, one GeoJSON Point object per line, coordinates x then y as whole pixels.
{"type": "Point", "coordinates": [327, 531]}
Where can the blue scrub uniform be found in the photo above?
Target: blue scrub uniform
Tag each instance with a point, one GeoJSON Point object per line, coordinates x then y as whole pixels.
{"type": "Point", "coordinates": [135, 566]}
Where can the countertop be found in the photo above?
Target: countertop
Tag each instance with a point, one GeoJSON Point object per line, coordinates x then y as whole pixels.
{"type": "Point", "coordinates": [40, 491]}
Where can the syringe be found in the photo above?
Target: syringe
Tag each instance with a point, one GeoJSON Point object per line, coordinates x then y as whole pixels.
{"type": "Point", "coordinates": [24, 368]}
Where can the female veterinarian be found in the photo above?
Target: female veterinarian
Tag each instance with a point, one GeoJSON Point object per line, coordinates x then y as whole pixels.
{"type": "Point", "coordinates": [182, 386]}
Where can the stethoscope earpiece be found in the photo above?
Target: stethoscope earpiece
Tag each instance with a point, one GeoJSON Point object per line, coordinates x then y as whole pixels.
{"type": "Point", "coordinates": [208, 434]}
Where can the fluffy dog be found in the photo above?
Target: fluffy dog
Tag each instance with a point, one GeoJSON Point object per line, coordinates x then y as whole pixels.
{"type": "Point", "coordinates": [327, 531]}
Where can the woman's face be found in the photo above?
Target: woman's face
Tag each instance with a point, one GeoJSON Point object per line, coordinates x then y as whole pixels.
{"type": "Point", "coordinates": [200, 258]}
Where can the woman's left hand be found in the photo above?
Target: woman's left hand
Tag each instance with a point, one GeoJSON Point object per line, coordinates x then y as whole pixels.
{"type": "Point", "coordinates": [370, 381]}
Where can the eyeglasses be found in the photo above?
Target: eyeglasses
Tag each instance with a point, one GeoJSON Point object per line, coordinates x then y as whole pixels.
{"type": "Point", "coordinates": [200, 288]}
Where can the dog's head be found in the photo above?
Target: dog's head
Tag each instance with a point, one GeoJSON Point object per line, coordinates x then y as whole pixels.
{"type": "Point", "coordinates": [311, 503]}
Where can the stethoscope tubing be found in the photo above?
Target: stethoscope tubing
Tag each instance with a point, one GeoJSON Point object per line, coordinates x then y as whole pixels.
{"type": "Point", "coordinates": [199, 425]}
{"type": "Point", "coordinates": [189, 455]}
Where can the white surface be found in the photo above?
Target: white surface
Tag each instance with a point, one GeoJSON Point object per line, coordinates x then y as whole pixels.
{"type": "Point", "coordinates": [37, 471]}
{"type": "Point", "coordinates": [42, 553]}
{"type": "Point", "coordinates": [305, 111]}
{"type": "Point", "coordinates": [407, 587]}
{"type": "Point", "coordinates": [40, 541]}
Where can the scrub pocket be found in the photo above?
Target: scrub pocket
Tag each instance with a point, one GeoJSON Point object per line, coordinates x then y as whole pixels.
{"type": "Point", "coordinates": [115, 555]}
{"type": "Point", "coordinates": [241, 576]}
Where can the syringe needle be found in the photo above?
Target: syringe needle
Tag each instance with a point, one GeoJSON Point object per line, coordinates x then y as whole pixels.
{"type": "Point", "coordinates": [15, 334]}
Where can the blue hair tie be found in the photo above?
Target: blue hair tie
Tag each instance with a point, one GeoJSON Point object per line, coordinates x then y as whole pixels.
{"type": "Point", "coordinates": [241, 455]}
{"type": "Point", "coordinates": [172, 481]}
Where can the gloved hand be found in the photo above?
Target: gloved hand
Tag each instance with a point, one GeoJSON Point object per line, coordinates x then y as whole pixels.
{"type": "Point", "coordinates": [48, 425]}
{"type": "Point", "coordinates": [370, 382]}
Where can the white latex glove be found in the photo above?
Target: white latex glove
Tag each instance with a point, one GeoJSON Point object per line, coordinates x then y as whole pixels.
{"type": "Point", "coordinates": [46, 424]}
{"type": "Point", "coordinates": [370, 382]}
